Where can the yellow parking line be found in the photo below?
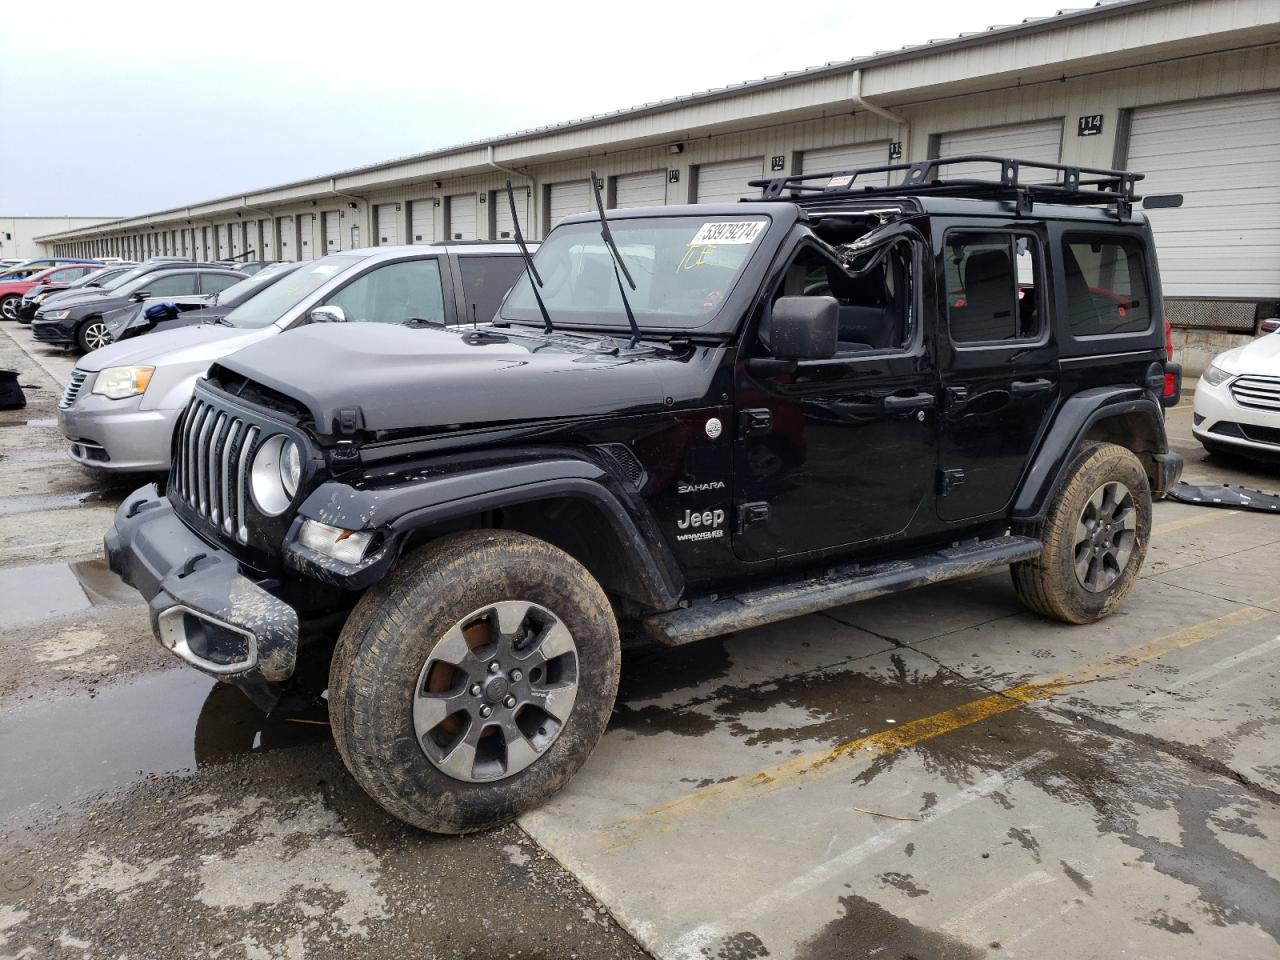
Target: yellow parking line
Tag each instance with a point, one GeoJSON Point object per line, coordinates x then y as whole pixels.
{"type": "Point", "coordinates": [885, 742]}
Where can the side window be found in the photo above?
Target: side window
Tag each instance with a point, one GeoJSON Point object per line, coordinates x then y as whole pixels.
{"type": "Point", "coordinates": [1106, 286]}
{"type": "Point", "coordinates": [64, 276]}
{"type": "Point", "coordinates": [216, 282]}
{"type": "Point", "coordinates": [993, 287]}
{"type": "Point", "coordinates": [171, 285]}
{"type": "Point", "coordinates": [395, 293]}
{"type": "Point", "coordinates": [876, 307]}
{"type": "Point", "coordinates": [486, 281]}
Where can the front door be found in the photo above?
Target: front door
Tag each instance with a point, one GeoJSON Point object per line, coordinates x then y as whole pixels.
{"type": "Point", "coordinates": [1000, 371]}
{"type": "Point", "coordinates": [843, 451]}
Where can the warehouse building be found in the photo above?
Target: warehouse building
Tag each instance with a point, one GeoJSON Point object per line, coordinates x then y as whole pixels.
{"type": "Point", "coordinates": [1187, 91]}
{"type": "Point", "coordinates": [24, 237]}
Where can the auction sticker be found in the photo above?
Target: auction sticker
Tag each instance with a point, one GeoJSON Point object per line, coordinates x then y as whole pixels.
{"type": "Point", "coordinates": [728, 231]}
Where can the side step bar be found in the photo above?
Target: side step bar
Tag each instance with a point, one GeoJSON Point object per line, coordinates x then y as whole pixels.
{"type": "Point", "coordinates": [716, 615]}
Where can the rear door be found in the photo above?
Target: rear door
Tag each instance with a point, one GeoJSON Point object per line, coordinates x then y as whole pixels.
{"type": "Point", "coordinates": [1000, 377]}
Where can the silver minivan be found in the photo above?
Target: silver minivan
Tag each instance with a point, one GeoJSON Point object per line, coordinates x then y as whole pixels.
{"type": "Point", "coordinates": [122, 401]}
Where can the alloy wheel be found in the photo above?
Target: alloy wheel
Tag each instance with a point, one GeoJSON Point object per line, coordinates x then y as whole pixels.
{"type": "Point", "coordinates": [1105, 535]}
{"type": "Point", "coordinates": [9, 308]}
{"type": "Point", "coordinates": [96, 335]}
{"type": "Point", "coordinates": [496, 691]}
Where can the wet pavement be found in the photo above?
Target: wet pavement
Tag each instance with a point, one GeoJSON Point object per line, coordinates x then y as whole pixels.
{"type": "Point", "coordinates": [932, 775]}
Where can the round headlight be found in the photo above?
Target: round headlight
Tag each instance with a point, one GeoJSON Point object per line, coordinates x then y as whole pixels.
{"type": "Point", "coordinates": [290, 467]}
{"type": "Point", "coordinates": [272, 481]}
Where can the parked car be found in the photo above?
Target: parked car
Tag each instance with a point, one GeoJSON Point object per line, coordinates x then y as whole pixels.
{"type": "Point", "coordinates": [82, 321]}
{"type": "Point", "coordinates": [1237, 402]}
{"type": "Point", "coordinates": [42, 293]}
{"type": "Point", "coordinates": [12, 291]}
{"type": "Point", "coordinates": [249, 266]}
{"type": "Point", "coordinates": [122, 401]}
{"type": "Point", "coordinates": [489, 509]}
{"type": "Point", "coordinates": [28, 267]}
{"type": "Point", "coordinates": [157, 315]}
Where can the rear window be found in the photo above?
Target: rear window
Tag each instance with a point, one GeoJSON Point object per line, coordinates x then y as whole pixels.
{"type": "Point", "coordinates": [485, 281]}
{"type": "Point", "coordinates": [1106, 286]}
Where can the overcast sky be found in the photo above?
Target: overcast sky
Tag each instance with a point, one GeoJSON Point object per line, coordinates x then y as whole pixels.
{"type": "Point", "coordinates": [122, 108]}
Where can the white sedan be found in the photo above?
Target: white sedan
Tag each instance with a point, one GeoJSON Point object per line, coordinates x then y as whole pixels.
{"type": "Point", "coordinates": [1237, 404]}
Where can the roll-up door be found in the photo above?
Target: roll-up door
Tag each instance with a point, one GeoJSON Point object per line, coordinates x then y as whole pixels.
{"type": "Point", "coordinates": [288, 236]}
{"type": "Point", "coordinates": [727, 182]}
{"type": "Point", "coordinates": [269, 251]}
{"type": "Point", "coordinates": [1040, 141]}
{"type": "Point", "coordinates": [503, 229]}
{"type": "Point", "coordinates": [332, 229]}
{"type": "Point", "coordinates": [851, 156]}
{"type": "Point", "coordinates": [462, 216]}
{"type": "Point", "coordinates": [641, 189]}
{"type": "Point", "coordinates": [386, 228]}
{"type": "Point", "coordinates": [567, 199]}
{"type": "Point", "coordinates": [422, 221]}
{"type": "Point", "coordinates": [1223, 156]}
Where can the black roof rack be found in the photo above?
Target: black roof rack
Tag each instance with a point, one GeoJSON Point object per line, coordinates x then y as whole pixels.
{"type": "Point", "coordinates": [1077, 186]}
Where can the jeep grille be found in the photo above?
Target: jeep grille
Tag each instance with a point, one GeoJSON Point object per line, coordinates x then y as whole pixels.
{"type": "Point", "coordinates": [213, 450]}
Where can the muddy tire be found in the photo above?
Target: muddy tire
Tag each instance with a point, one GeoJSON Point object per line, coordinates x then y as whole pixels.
{"type": "Point", "coordinates": [1095, 537]}
{"type": "Point", "coordinates": [472, 683]}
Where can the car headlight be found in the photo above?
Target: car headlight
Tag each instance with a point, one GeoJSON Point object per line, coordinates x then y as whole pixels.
{"type": "Point", "coordinates": [349, 546]}
{"type": "Point", "coordinates": [277, 468]}
{"type": "Point", "coordinates": [119, 383]}
{"type": "Point", "coordinates": [1215, 376]}
{"type": "Point", "coordinates": [58, 315]}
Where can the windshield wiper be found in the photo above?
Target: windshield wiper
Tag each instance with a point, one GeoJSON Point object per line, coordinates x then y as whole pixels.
{"type": "Point", "coordinates": [535, 281]}
{"type": "Point", "coordinates": [607, 236]}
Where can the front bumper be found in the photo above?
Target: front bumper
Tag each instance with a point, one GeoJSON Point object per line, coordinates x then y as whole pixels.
{"type": "Point", "coordinates": [53, 331]}
{"type": "Point", "coordinates": [117, 435]}
{"type": "Point", "coordinates": [1219, 421]}
{"type": "Point", "coordinates": [27, 310]}
{"type": "Point", "coordinates": [203, 610]}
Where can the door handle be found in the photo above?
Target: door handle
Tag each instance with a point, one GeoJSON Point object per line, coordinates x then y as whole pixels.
{"type": "Point", "coordinates": [916, 401]}
{"type": "Point", "coordinates": [1022, 388]}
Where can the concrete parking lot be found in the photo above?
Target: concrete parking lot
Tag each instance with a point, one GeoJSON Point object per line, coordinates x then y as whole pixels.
{"type": "Point", "coordinates": [937, 774]}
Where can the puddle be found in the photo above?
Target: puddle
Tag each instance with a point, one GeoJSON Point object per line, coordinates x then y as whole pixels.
{"type": "Point", "coordinates": [35, 592]}
{"type": "Point", "coordinates": [165, 723]}
{"type": "Point", "coordinates": [52, 501]}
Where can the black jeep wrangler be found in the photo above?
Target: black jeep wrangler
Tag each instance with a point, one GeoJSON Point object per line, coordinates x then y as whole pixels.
{"type": "Point", "coordinates": [683, 421]}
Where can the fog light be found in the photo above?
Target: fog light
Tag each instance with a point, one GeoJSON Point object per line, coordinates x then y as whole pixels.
{"type": "Point", "coordinates": [348, 546]}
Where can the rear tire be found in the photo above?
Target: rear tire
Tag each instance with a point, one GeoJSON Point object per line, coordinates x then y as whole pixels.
{"type": "Point", "coordinates": [92, 334]}
{"type": "Point", "coordinates": [428, 726]}
{"type": "Point", "coordinates": [1095, 538]}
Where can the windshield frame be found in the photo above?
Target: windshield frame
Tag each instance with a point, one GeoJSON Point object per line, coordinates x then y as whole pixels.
{"type": "Point", "coordinates": [726, 317]}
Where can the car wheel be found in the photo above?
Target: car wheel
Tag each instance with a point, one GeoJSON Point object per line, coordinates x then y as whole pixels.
{"type": "Point", "coordinates": [472, 683]}
{"type": "Point", "coordinates": [92, 335]}
{"type": "Point", "coordinates": [1095, 538]}
{"type": "Point", "coordinates": [9, 307]}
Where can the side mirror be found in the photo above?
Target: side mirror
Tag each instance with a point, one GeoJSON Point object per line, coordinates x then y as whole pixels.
{"type": "Point", "coordinates": [328, 315]}
{"type": "Point", "coordinates": [139, 296]}
{"type": "Point", "coordinates": [803, 328]}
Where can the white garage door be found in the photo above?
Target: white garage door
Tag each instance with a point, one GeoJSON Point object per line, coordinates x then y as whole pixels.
{"type": "Point", "coordinates": [462, 216]}
{"type": "Point", "coordinates": [268, 241]}
{"type": "Point", "coordinates": [386, 227]}
{"type": "Point", "coordinates": [568, 199]}
{"type": "Point", "coordinates": [727, 182]}
{"type": "Point", "coordinates": [641, 189]}
{"type": "Point", "coordinates": [422, 221]}
{"type": "Point", "coordinates": [1040, 141]}
{"type": "Point", "coordinates": [1223, 156]}
{"type": "Point", "coordinates": [849, 157]}
{"type": "Point", "coordinates": [224, 240]}
{"type": "Point", "coordinates": [288, 238]}
{"type": "Point", "coordinates": [332, 226]}
{"type": "Point", "coordinates": [502, 225]}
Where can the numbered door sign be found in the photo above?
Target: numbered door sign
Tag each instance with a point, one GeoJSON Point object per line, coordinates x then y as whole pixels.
{"type": "Point", "coordinates": [1089, 126]}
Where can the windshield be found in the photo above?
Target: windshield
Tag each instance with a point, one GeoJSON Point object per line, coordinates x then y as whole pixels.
{"type": "Point", "coordinates": [122, 279]}
{"type": "Point", "coordinates": [275, 301]}
{"type": "Point", "coordinates": [684, 268]}
{"type": "Point", "coordinates": [248, 287]}
{"type": "Point", "coordinates": [97, 278]}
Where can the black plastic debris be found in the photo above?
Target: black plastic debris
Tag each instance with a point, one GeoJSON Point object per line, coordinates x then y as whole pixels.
{"type": "Point", "coordinates": [1225, 495]}
{"type": "Point", "coordinates": [11, 396]}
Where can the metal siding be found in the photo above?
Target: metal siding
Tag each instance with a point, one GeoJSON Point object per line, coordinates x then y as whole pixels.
{"type": "Point", "coordinates": [641, 189]}
{"type": "Point", "coordinates": [462, 216]}
{"type": "Point", "coordinates": [423, 219]}
{"type": "Point", "coordinates": [566, 199]}
{"type": "Point", "coordinates": [726, 182]}
{"type": "Point", "coordinates": [849, 157]}
{"type": "Point", "coordinates": [386, 225]}
{"type": "Point", "coordinates": [1040, 141]}
{"type": "Point", "coordinates": [332, 228]}
{"type": "Point", "coordinates": [503, 228]}
{"type": "Point", "coordinates": [1223, 156]}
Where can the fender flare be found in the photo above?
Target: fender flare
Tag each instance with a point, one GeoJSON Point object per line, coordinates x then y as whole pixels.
{"type": "Point", "coordinates": [400, 510]}
{"type": "Point", "coordinates": [1072, 422]}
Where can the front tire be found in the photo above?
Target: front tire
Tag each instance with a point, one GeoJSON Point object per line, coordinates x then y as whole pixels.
{"type": "Point", "coordinates": [92, 334]}
{"type": "Point", "coordinates": [9, 306]}
{"type": "Point", "coordinates": [472, 683]}
{"type": "Point", "coordinates": [1095, 538]}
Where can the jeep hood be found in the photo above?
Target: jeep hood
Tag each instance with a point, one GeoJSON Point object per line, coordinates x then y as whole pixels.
{"type": "Point", "coordinates": [402, 378]}
{"type": "Point", "coordinates": [206, 342]}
